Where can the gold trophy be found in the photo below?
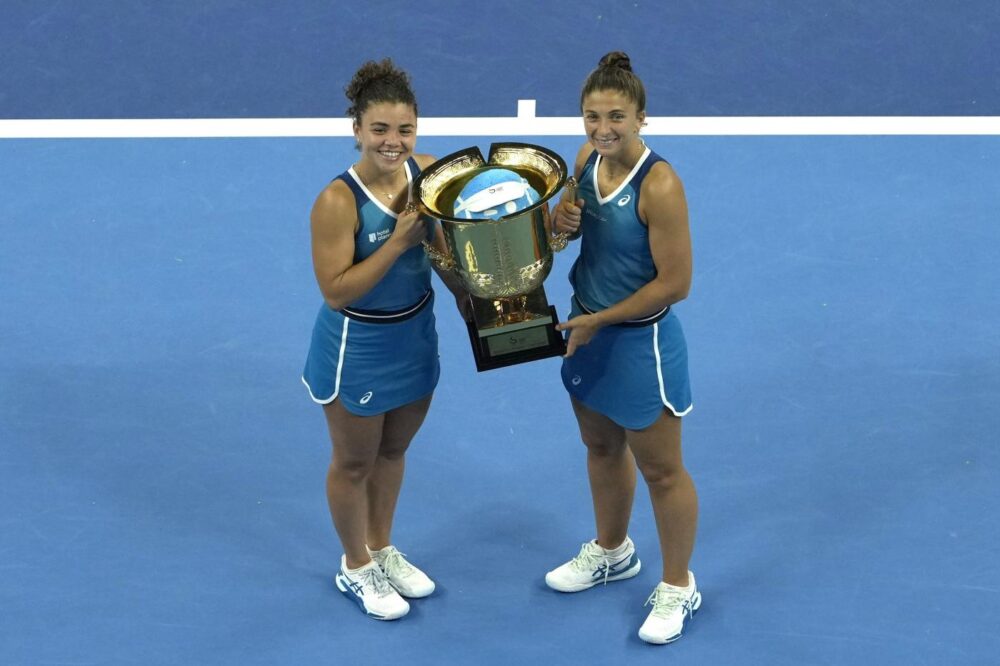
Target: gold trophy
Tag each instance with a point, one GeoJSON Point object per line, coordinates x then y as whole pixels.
{"type": "Point", "coordinates": [501, 262]}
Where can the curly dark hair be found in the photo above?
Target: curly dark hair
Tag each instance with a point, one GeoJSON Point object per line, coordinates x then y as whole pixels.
{"type": "Point", "coordinates": [614, 72]}
{"type": "Point", "coordinates": [376, 82]}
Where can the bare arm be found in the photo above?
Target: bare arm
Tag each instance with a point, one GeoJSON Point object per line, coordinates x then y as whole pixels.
{"type": "Point", "coordinates": [334, 221]}
{"type": "Point", "coordinates": [663, 207]}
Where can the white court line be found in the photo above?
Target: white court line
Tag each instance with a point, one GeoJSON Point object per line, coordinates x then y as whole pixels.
{"type": "Point", "coordinates": [525, 123]}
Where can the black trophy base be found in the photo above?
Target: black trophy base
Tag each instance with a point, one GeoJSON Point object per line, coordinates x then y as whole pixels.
{"type": "Point", "coordinates": [516, 343]}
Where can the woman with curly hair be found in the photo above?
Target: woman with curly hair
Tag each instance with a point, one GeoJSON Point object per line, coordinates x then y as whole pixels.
{"type": "Point", "coordinates": [373, 360]}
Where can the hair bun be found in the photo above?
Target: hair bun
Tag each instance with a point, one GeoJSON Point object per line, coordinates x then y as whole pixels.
{"type": "Point", "coordinates": [375, 82]}
{"type": "Point", "coordinates": [369, 73]}
{"type": "Point", "coordinates": [617, 59]}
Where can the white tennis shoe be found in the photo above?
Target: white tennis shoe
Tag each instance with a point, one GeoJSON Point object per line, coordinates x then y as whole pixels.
{"type": "Point", "coordinates": [673, 607]}
{"type": "Point", "coordinates": [408, 580]}
{"type": "Point", "coordinates": [370, 589]}
{"type": "Point", "coordinates": [594, 565]}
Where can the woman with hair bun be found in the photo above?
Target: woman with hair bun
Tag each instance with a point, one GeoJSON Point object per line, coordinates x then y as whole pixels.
{"type": "Point", "coordinates": [626, 359]}
{"type": "Point", "coordinates": [373, 360]}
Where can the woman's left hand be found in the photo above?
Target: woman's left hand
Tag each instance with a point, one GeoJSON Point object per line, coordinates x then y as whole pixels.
{"type": "Point", "coordinates": [581, 330]}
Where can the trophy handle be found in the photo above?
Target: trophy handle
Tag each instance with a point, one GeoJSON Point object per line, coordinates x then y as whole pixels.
{"type": "Point", "coordinates": [443, 261]}
{"type": "Point", "coordinates": [559, 241]}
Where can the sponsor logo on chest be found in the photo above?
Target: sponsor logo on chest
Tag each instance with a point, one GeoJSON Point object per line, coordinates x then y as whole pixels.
{"type": "Point", "coordinates": [594, 215]}
{"type": "Point", "coordinates": [379, 236]}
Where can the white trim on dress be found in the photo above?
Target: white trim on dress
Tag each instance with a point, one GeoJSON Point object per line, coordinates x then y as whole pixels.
{"type": "Point", "coordinates": [340, 367]}
{"type": "Point", "coordinates": [659, 374]}
{"type": "Point", "coordinates": [374, 199]}
{"type": "Point", "coordinates": [621, 186]}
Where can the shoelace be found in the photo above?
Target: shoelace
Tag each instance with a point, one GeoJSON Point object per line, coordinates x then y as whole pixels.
{"type": "Point", "coordinates": [376, 580]}
{"type": "Point", "coordinates": [665, 602]}
{"type": "Point", "coordinates": [393, 564]}
{"type": "Point", "coordinates": [590, 559]}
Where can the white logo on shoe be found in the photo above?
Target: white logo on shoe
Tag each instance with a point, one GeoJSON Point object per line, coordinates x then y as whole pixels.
{"type": "Point", "coordinates": [365, 398]}
{"type": "Point", "coordinates": [576, 380]}
{"type": "Point", "coordinates": [625, 199]}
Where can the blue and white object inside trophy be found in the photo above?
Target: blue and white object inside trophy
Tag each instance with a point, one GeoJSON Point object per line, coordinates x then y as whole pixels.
{"type": "Point", "coordinates": [494, 193]}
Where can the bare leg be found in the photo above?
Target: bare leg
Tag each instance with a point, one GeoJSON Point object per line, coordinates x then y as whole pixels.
{"type": "Point", "coordinates": [657, 451]}
{"type": "Point", "coordinates": [386, 478]}
{"type": "Point", "coordinates": [355, 447]}
{"type": "Point", "coordinates": [611, 470]}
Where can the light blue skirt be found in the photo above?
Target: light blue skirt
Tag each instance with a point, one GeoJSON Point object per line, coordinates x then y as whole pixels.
{"type": "Point", "coordinates": [372, 367]}
{"type": "Point", "coordinates": [631, 373]}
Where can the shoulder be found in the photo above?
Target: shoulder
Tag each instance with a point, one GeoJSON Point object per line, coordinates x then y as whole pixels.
{"type": "Point", "coordinates": [335, 202]}
{"type": "Point", "coordinates": [424, 161]}
{"type": "Point", "coordinates": [662, 182]}
{"type": "Point", "coordinates": [662, 196]}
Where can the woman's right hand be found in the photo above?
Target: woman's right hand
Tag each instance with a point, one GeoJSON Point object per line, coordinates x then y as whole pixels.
{"type": "Point", "coordinates": [567, 216]}
{"type": "Point", "coordinates": [411, 229]}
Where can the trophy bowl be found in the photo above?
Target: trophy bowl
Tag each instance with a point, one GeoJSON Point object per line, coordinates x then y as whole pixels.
{"type": "Point", "coordinates": [495, 258]}
{"type": "Point", "coordinates": [501, 262]}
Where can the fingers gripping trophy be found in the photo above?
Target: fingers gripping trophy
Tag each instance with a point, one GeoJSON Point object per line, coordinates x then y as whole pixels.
{"type": "Point", "coordinates": [494, 217]}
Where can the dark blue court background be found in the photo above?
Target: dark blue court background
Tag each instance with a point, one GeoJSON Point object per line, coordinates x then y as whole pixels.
{"type": "Point", "coordinates": [149, 59]}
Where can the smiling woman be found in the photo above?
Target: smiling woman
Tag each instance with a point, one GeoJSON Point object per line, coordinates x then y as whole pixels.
{"type": "Point", "coordinates": [376, 285]}
{"type": "Point", "coordinates": [626, 357]}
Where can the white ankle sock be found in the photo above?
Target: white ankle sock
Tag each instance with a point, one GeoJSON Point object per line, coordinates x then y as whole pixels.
{"type": "Point", "coordinates": [617, 552]}
{"type": "Point", "coordinates": [363, 566]}
{"type": "Point", "coordinates": [685, 588]}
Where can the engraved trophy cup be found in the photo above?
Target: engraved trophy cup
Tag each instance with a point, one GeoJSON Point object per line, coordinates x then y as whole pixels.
{"type": "Point", "coordinates": [501, 262]}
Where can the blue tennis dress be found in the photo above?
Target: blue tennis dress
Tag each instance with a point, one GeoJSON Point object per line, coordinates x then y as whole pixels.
{"type": "Point", "coordinates": [382, 351]}
{"type": "Point", "coordinates": [631, 371]}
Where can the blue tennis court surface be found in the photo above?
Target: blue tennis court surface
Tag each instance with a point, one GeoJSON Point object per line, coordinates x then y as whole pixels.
{"type": "Point", "coordinates": [163, 466]}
